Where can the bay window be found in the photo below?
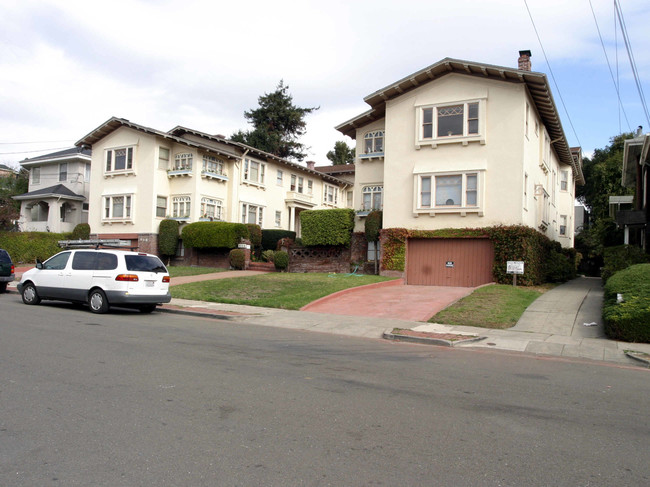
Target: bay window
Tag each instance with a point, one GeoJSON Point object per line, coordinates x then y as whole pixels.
{"type": "Point", "coordinates": [373, 142]}
{"type": "Point", "coordinates": [211, 208]}
{"type": "Point", "coordinates": [181, 206]}
{"type": "Point", "coordinates": [372, 198]}
{"type": "Point", "coordinates": [213, 165]}
{"type": "Point", "coordinates": [183, 162]}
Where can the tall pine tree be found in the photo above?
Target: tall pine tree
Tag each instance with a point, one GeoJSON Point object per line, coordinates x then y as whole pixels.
{"type": "Point", "coordinates": [277, 125]}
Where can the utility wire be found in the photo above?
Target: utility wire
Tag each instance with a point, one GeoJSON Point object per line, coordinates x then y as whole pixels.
{"type": "Point", "coordinates": [630, 55]}
{"type": "Point", "coordinates": [36, 142]}
{"type": "Point", "coordinates": [616, 87]}
{"type": "Point", "coordinates": [30, 151]}
{"type": "Point", "coordinates": [552, 75]}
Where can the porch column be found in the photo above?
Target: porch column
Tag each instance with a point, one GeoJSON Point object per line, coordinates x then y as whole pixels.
{"type": "Point", "coordinates": [626, 235]}
{"type": "Point", "coordinates": [292, 218]}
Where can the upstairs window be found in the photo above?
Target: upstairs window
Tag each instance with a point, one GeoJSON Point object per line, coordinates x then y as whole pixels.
{"type": "Point", "coordinates": [279, 178]}
{"type": "Point", "coordinates": [373, 142]}
{"type": "Point", "coordinates": [459, 120]}
{"type": "Point", "coordinates": [372, 198]}
{"type": "Point", "coordinates": [330, 195]}
{"type": "Point", "coordinates": [36, 175]}
{"type": "Point", "coordinates": [254, 171]}
{"type": "Point", "coordinates": [563, 221]}
{"type": "Point", "coordinates": [119, 160]}
{"type": "Point", "coordinates": [63, 171]}
{"type": "Point", "coordinates": [252, 214]}
{"type": "Point", "coordinates": [564, 180]}
{"type": "Point", "coordinates": [161, 206]}
{"type": "Point", "coordinates": [163, 158]}
{"type": "Point", "coordinates": [117, 207]}
{"type": "Point", "coordinates": [211, 208]}
{"type": "Point", "coordinates": [213, 165]}
{"type": "Point", "coordinates": [183, 162]}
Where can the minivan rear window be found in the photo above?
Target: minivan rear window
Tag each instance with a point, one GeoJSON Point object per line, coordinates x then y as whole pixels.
{"type": "Point", "coordinates": [145, 263]}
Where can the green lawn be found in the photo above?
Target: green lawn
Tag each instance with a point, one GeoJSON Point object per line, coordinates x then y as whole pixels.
{"type": "Point", "coordinates": [496, 306]}
{"type": "Point", "coordinates": [179, 271]}
{"type": "Point", "coordinates": [273, 290]}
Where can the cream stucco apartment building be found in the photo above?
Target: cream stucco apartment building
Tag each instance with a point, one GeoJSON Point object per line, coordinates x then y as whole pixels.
{"type": "Point", "coordinates": [461, 144]}
{"type": "Point", "coordinates": [141, 176]}
{"type": "Point", "coordinates": [57, 197]}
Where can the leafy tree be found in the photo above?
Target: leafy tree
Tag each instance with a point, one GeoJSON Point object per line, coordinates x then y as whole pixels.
{"type": "Point", "coordinates": [603, 177]}
{"type": "Point", "coordinates": [341, 154]}
{"type": "Point", "coordinates": [11, 185]}
{"type": "Point", "coordinates": [277, 125]}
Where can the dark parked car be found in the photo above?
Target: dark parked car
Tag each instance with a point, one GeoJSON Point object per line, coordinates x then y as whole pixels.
{"type": "Point", "coordinates": [6, 270]}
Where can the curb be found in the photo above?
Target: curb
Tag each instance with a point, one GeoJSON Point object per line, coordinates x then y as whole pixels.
{"type": "Point", "coordinates": [389, 335]}
{"type": "Point", "coordinates": [203, 314]}
{"type": "Point", "coordinates": [639, 356]}
{"type": "Point", "coordinates": [324, 299]}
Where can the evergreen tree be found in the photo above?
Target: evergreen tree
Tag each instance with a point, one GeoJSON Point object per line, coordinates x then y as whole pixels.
{"type": "Point", "coordinates": [341, 154]}
{"type": "Point", "coordinates": [11, 185]}
{"type": "Point", "coordinates": [277, 125]}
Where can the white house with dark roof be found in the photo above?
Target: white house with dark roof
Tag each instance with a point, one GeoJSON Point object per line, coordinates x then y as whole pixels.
{"type": "Point", "coordinates": [461, 144]}
{"type": "Point", "coordinates": [141, 176]}
{"type": "Point", "coordinates": [59, 185]}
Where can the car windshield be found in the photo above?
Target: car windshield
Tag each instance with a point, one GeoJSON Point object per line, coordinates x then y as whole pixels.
{"type": "Point", "coordinates": [145, 263]}
{"type": "Point", "coordinates": [4, 257]}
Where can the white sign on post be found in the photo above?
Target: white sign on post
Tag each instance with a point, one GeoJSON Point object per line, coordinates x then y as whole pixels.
{"type": "Point", "coordinates": [515, 267]}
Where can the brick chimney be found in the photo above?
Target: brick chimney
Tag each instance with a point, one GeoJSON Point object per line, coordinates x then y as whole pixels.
{"type": "Point", "coordinates": [311, 165]}
{"type": "Point", "coordinates": [524, 60]}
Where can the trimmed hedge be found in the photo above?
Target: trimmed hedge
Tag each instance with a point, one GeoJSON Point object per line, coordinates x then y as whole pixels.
{"type": "Point", "coordinates": [26, 247]}
{"type": "Point", "coordinates": [81, 232]}
{"type": "Point", "coordinates": [281, 260]}
{"type": "Point", "coordinates": [168, 237]}
{"type": "Point", "coordinates": [255, 232]}
{"type": "Point", "coordinates": [516, 242]}
{"type": "Point", "coordinates": [237, 258]}
{"type": "Point", "coordinates": [620, 257]}
{"type": "Point", "coordinates": [270, 237]}
{"type": "Point", "coordinates": [214, 234]}
{"type": "Point", "coordinates": [629, 320]}
{"type": "Point", "coordinates": [327, 227]}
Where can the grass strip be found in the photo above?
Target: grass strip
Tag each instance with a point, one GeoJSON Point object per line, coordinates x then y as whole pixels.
{"type": "Point", "coordinates": [273, 290]}
{"type": "Point", "coordinates": [497, 306]}
{"type": "Point", "coordinates": [180, 271]}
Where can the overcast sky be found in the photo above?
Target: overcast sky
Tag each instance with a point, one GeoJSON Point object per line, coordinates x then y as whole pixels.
{"type": "Point", "coordinates": [66, 66]}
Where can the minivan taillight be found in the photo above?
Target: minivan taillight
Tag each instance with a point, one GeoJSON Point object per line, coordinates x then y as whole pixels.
{"type": "Point", "coordinates": [127, 277]}
{"type": "Point", "coordinates": [165, 278]}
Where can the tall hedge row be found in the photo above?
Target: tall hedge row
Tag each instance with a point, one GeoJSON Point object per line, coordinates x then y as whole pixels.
{"type": "Point", "coordinates": [628, 319]}
{"type": "Point", "coordinates": [270, 237]}
{"type": "Point", "coordinates": [327, 227]}
{"type": "Point", "coordinates": [544, 259]}
{"type": "Point", "coordinates": [26, 247]}
{"type": "Point", "coordinates": [168, 237]}
{"type": "Point", "coordinates": [214, 234]}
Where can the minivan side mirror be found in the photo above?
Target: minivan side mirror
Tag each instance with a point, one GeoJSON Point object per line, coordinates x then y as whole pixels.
{"type": "Point", "coordinates": [39, 264]}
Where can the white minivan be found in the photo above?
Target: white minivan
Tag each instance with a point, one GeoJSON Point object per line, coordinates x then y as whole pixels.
{"type": "Point", "coordinates": [101, 278]}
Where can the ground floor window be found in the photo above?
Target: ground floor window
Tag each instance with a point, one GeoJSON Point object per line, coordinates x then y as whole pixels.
{"type": "Point", "coordinates": [252, 214]}
{"type": "Point", "coordinates": [161, 206]}
{"type": "Point", "coordinates": [181, 206]}
{"type": "Point", "coordinates": [372, 198]}
{"type": "Point", "coordinates": [211, 208]}
{"type": "Point", "coordinates": [117, 207]}
{"type": "Point", "coordinates": [40, 211]}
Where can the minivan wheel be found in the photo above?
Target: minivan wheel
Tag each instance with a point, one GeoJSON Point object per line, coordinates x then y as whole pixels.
{"type": "Point", "coordinates": [30, 295]}
{"type": "Point", "coordinates": [147, 308]}
{"type": "Point", "coordinates": [97, 301]}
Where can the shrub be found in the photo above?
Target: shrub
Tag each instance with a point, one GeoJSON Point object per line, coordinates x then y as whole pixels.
{"type": "Point", "coordinates": [26, 247]}
{"type": "Point", "coordinates": [214, 234]}
{"type": "Point", "coordinates": [620, 257]}
{"type": "Point", "coordinates": [255, 232]}
{"type": "Point", "coordinates": [628, 320]}
{"type": "Point", "coordinates": [327, 227]}
{"type": "Point", "coordinates": [237, 258]}
{"type": "Point", "coordinates": [267, 255]}
{"type": "Point", "coordinates": [281, 260]}
{"type": "Point", "coordinates": [168, 237]}
{"type": "Point", "coordinates": [270, 237]}
{"type": "Point", "coordinates": [558, 267]}
{"type": "Point", "coordinates": [81, 232]}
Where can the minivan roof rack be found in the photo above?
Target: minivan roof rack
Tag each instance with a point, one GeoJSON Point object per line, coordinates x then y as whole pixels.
{"type": "Point", "coordinates": [112, 243]}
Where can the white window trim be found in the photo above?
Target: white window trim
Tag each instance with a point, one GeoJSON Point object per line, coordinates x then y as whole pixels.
{"type": "Point", "coordinates": [36, 175]}
{"type": "Point", "coordinates": [219, 210]}
{"type": "Point", "coordinates": [463, 210]}
{"type": "Point", "coordinates": [374, 135]}
{"type": "Point", "coordinates": [374, 188]}
{"type": "Point", "coordinates": [181, 199]}
{"type": "Point", "coordinates": [566, 181]}
{"type": "Point", "coordinates": [261, 173]}
{"type": "Point", "coordinates": [259, 212]}
{"type": "Point", "coordinates": [278, 219]}
{"type": "Point", "coordinates": [334, 193]}
{"type": "Point", "coordinates": [157, 206]}
{"type": "Point", "coordinates": [464, 139]}
{"type": "Point", "coordinates": [216, 162]}
{"type": "Point", "coordinates": [127, 170]}
{"type": "Point", "coordinates": [128, 197]}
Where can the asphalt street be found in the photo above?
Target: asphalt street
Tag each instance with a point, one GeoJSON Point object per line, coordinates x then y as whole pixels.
{"type": "Point", "coordinates": [129, 399]}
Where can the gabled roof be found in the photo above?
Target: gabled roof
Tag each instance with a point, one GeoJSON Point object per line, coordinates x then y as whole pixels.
{"type": "Point", "coordinates": [67, 154]}
{"type": "Point", "coordinates": [536, 83]}
{"type": "Point", "coordinates": [209, 146]}
{"type": "Point", "coordinates": [58, 191]}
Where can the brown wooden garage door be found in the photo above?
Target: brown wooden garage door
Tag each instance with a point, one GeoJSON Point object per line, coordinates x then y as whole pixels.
{"type": "Point", "coordinates": [449, 261]}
